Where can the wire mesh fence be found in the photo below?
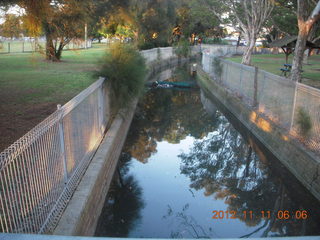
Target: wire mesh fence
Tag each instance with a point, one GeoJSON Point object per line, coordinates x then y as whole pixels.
{"type": "Point", "coordinates": [40, 171]}
{"type": "Point", "coordinates": [293, 106]}
{"type": "Point", "coordinates": [38, 46]}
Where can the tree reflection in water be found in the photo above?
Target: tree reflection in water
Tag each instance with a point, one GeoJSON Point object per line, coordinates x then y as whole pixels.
{"type": "Point", "coordinates": [123, 204]}
{"type": "Point", "coordinates": [224, 166]}
{"type": "Point", "coordinates": [166, 115]}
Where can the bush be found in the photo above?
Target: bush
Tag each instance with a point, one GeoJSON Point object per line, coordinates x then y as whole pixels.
{"type": "Point", "coordinates": [182, 49]}
{"type": "Point", "coordinates": [304, 121]}
{"type": "Point", "coordinates": [217, 66]}
{"type": "Point", "coordinates": [125, 70]}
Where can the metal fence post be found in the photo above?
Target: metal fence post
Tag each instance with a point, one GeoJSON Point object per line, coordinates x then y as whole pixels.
{"type": "Point", "coordinates": [294, 106]}
{"type": "Point", "coordinates": [100, 109]}
{"type": "Point", "coordinates": [255, 87]}
{"type": "Point", "coordinates": [62, 146]}
{"type": "Point", "coordinates": [23, 47]}
{"type": "Point", "coordinates": [8, 47]}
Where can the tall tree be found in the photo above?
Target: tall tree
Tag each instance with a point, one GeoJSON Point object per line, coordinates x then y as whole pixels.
{"type": "Point", "coordinates": [308, 13]}
{"type": "Point", "coordinates": [60, 20]}
{"type": "Point", "coordinates": [12, 26]}
{"type": "Point", "coordinates": [247, 16]}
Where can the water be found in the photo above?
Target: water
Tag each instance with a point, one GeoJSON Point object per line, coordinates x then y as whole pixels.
{"type": "Point", "coordinates": [186, 171]}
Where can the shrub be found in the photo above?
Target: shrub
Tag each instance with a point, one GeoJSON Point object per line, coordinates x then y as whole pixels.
{"type": "Point", "coordinates": [125, 70]}
{"type": "Point", "coordinates": [217, 66]}
{"type": "Point", "coordinates": [182, 49]}
{"type": "Point", "coordinates": [304, 121]}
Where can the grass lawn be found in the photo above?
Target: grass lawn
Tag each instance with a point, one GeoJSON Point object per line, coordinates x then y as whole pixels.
{"type": "Point", "coordinates": [30, 87]}
{"type": "Point", "coordinates": [273, 62]}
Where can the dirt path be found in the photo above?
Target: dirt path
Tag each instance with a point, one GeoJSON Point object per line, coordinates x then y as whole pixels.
{"type": "Point", "coordinates": [17, 119]}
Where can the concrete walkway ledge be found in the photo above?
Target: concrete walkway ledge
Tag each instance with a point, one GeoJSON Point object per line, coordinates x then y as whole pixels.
{"type": "Point", "coordinates": [81, 215]}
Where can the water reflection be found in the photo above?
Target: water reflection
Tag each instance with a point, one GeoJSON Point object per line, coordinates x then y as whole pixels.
{"type": "Point", "coordinates": [226, 167]}
{"type": "Point", "coordinates": [121, 212]}
{"type": "Point", "coordinates": [184, 159]}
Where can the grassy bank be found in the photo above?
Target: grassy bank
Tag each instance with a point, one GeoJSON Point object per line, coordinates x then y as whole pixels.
{"type": "Point", "coordinates": [30, 87]}
{"type": "Point", "coordinates": [273, 62]}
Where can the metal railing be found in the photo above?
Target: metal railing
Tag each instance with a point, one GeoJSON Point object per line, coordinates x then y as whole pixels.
{"type": "Point", "coordinates": [292, 106]}
{"type": "Point", "coordinates": [40, 171]}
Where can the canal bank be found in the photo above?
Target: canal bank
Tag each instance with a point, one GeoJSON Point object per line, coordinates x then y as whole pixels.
{"type": "Point", "coordinates": [186, 160]}
{"type": "Point", "coordinates": [81, 214]}
{"type": "Point", "coordinates": [301, 162]}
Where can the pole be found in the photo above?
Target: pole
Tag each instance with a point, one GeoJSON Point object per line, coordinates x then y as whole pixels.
{"type": "Point", "coordinates": [85, 35]}
{"type": "Point", "coordinates": [62, 146]}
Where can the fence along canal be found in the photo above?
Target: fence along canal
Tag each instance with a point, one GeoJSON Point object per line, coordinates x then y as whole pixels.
{"type": "Point", "coordinates": [293, 106]}
{"type": "Point", "coordinates": [41, 170]}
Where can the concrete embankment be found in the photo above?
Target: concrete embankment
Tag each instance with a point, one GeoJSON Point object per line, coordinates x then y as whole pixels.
{"type": "Point", "coordinates": [301, 162]}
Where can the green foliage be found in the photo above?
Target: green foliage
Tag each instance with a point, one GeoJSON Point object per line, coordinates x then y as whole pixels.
{"type": "Point", "coordinates": [182, 49]}
{"type": "Point", "coordinates": [144, 44]}
{"type": "Point", "coordinates": [217, 65]}
{"type": "Point", "coordinates": [11, 27]}
{"type": "Point", "coordinates": [304, 121]}
{"type": "Point", "coordinates": [125, 70]}
{"type": "Point", "coordinates": [158, 54]}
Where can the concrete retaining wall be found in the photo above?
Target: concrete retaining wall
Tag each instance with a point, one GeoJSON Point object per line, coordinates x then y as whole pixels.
{"type": "Point", "coordinates": [301, 162]}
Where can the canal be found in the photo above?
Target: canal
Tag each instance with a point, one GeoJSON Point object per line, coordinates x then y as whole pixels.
{"type": "Point", "coordinates": [190, 170]}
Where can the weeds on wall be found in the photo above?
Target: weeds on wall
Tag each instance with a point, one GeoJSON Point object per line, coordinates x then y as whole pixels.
{"type": "Point", "coordinates": [304, 121]}
{"type": "Point", "coordinates": [159, 57]}
{"type": "Point", "coordinates": [182, 48]}
{"type": "Point", "coordinates": [217, 66]}
{"type": "Point", "coordinates": [125, 70]}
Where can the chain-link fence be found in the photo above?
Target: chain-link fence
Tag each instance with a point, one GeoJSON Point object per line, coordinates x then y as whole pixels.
{"type": "Point", "coordinates": [293, 106]}
{"type": "Point", "coordinates": [38, 46]}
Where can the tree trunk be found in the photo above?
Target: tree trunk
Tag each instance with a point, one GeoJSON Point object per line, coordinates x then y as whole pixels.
{"type": "Point", "coordinates": [246, 58]}
{"type": "Point", "coordinates": [299, 52]}
{"type": "Point", "coordinates": [239, 39]}
{"type": "Point", "coordinates": [50, 53]}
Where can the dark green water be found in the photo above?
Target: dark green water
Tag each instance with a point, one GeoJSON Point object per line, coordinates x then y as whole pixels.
{"type": "Point", "coordinates": [183, 159]}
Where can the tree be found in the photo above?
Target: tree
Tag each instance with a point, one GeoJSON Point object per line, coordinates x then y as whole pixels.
{"type": "Point", "coordinates": [282, 21]}
{"type": "Point", "coordinates": [194, 19]}
{"type": "Point", "coordinates": [61, 21]}
{"type": "Point", "coordinates": [247, 16]}
{"type": "Point", "coordinates": [12, 26]}
{"type": "Point", "coordinates": [308, 13]}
